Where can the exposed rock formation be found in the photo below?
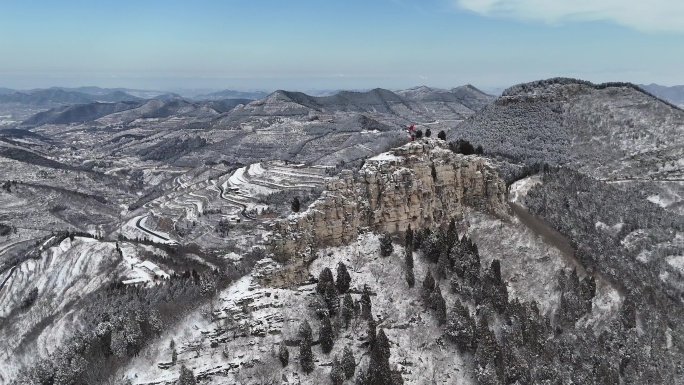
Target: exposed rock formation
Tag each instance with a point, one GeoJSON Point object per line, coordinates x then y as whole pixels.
{"type": "Point", "coordinates": [420, 184]}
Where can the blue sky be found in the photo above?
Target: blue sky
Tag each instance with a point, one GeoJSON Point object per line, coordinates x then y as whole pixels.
{"type": "Point", "coordinates": [306, 44]}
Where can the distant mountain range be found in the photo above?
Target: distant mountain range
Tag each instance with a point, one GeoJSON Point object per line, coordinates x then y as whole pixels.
{"type": "Point", "coordinates": [415, 105]}
{"type": "Point", "coordinates": [339, 128]}
{"type": "Point", "coordinates": [54, 96]}
{"type": "Point", "coordinates": [79, 113]}
{"type": "Point", "coordinates": [95, 103]}
{"type": "Point", "coordinates": [230, 94]}
{"type": "Point", "coordinates": [674, 94]}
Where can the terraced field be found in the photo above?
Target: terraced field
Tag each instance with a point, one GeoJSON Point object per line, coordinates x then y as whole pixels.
{"type": "Point", "coordinates": [198, 201]}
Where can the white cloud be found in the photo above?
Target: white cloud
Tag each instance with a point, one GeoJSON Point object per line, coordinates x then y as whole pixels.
{"type": "Point", "coordinates": [645, 15]}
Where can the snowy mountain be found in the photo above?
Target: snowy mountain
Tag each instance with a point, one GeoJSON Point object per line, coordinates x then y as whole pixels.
{"type": "Point", "coordinates": [467, 95]}
{"type": "Point", "coordinates": [308, 239]}
{"type": "Point", "coordinates": [59, 96]}
{"type": "Point", "coordinates": [80, 113]}
{"type": "Point", "coordinates": [674, 94]}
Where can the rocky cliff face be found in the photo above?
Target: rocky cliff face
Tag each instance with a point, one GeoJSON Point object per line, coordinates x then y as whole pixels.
{"type": "Point", "coordinates": [420, 184]}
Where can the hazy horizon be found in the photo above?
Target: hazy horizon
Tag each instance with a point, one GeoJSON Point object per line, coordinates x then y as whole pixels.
{"type": "Point", "coordinates": [307, 45]}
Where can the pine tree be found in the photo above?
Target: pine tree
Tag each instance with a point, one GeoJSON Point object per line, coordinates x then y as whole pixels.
{"type": "Point", "coordinates": [296, 205]}
{"type": "Point", "coordinates": [495, 267]}
{"type": "Point", "coordinates": [457, 259]}
{"type": "Point", "coordinates": [408, 243]}
{"type": "Point", "coordinates": [348, 363]}
{"type": "Point", "coordinates": [432, 245]}
{"type": "Point", "coordinates": [283, 354]}
{"type": "Point", "coordinates": [488, 351]}
{"type": "Point", "coordinates": [417, 240]}
{"type": "Point", "coordinates": [326, 336]}
{"type": "Point", "coordinates": [442, 135]}
{"type": "Point", "coordinates": [386, 246]}
{"type": "Point", "coordinates": [408, 258]}
{"type": "Point", "coordinates": [379, 372]}
{"type": "Point", "coordinates": [383, 344]}
{"type": "Point", "coordinates": [428, 285]}
{"type": "Point", "coordinates": [324, 277]}
{"type": "Point", "coordinates": [366, 311]}
{"type": "Point", "coordinates": [371, 333]}
{"type": "Point", "coordinates": [305, 355]}
{"type": "Point", "coordinates": [331, 298]}
{"type": "Point", "coordinates": [336, 372]}
{"type": "Point", "coordinates": [305, 331]}
{"type": "Point", "coordinates": [428, 133]}
{"type": "Point", "coordinates": [410, 278]}
{"type": "Point", "coordinates": [438, 305]}
{"type": "Point", "coordinates": [174, 353]}
{"type": "Point", "coordinates": [187, 377]}
{"type": "Point", "coordinates": [443, 265]}
{"type": "Point", "coordinates": [343, 278]}
{"type": "Point", "coordinates": [347, 309]}
{"type": "Point", "coordinates": [460, 328]}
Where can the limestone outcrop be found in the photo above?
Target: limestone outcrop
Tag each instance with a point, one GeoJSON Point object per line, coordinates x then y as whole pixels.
{"type": "Point", "coordinates": [422, 183]}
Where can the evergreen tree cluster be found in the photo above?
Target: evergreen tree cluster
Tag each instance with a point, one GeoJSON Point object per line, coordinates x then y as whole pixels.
{"type": "Point", "coordinates": [378, 370]}
{"type": "Point", "coordinates": [530, 347]}
{"type": "Point", "coordinates": [117, 322]}
{"type": "Point", "coordinates": [576, 297]}
{"type": "Point", "coordinates": [464, 147]}
{"type": "Point", "coordinates": [333, 317]}
{"type": "Point", "coordinates": [576, 205]}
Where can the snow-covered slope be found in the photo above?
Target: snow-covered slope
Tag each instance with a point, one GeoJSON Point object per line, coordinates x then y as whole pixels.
{"type": "Point", "coordinates": [64, 273]}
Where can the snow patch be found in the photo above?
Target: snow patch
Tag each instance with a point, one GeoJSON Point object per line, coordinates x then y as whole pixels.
{"type": "Point", "coordinates": [677, 262]}
{"type": "Point", "coordinates": [519, 189]}
{"type": "Point", "coordinates": [238, 177]}
{"type": "Point", "coordinates": [385, 156]}
{"type": "Point", "coordinates": [644, 256]}
{"type": "Point", "coordinates": [660, 201]}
